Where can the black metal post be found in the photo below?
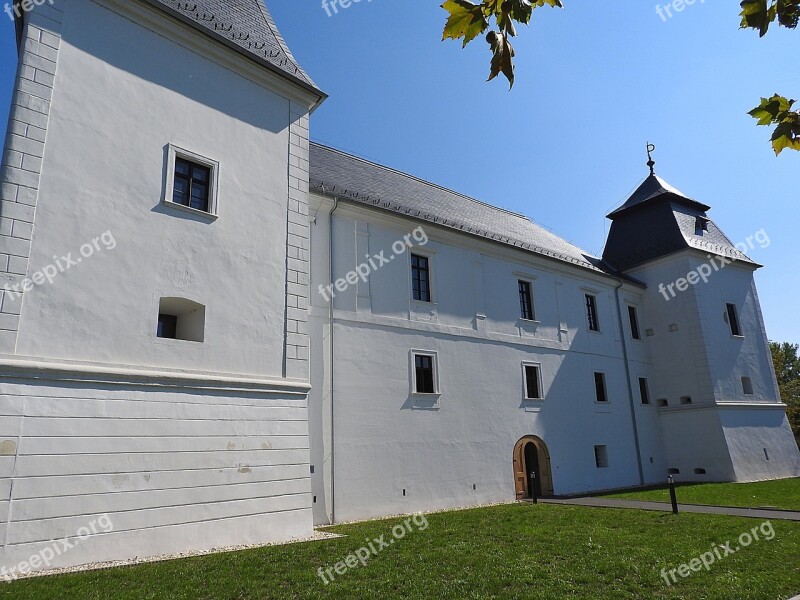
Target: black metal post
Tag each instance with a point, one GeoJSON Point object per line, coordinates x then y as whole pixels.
{"type": "Point", "coordinates": [533, 487]}
{"type": "Point", "coordinates": [672, 497]}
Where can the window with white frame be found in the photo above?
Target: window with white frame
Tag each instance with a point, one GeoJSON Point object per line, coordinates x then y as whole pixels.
{"type": "Point", "coordinates": [526, 309]}
{"type": "Point", "coordinates": [425, 380]}
{"type": "Point", "coordinates": [421, 277]}
{"type": "Point", "coordinates": [191, 182]}
{"type": "Point", "coordinates": [633, 318]}
{"type": "Point", "coordinates": [591, 312]}
{"type": "Point", "coordinates": [601, 394]}
{"type": "Point", "coordinates": [532, 381]}
{"type": "Point", "coordinates": [732, 315]}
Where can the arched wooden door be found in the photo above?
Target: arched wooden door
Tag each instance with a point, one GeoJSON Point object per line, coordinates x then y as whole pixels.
{"type": "Point", "coordinates": [540, 457]}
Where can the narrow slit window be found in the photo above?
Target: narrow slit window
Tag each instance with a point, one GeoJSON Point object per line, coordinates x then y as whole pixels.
{"type": "Point", "coordinates": [424, 374]}
{"type": "Point", "coordinates": [591, 313]}
{"type": "Point", "coordinates": [533, 389]}
{"type": "Point", "coordinates": [526, 300]}
{"type": "Point", "coordinates": [733, 319]}
{"type": "Point", "coordinates": [644, 391]}
{"type": "Point", "coordinates": [634, 319]}
{"type": "Point", "coordinates": [601, 456]}
{"type": "Point", "coordinates": [747, 386]}
{"type": "Point", "coordinates": [600, 387]}
{"type": "Point", "coordinates": [420, 278]}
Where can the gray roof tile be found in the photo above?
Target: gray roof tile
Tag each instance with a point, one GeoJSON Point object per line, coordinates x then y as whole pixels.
{"type": "Point", "coordinates": [339, 174]}
{"type": "Point", "coordinates": [244, 25]}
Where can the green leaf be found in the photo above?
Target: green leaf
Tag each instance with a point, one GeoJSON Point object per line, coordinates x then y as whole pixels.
{"type": "Point", "coordinates": [786, 135]}
{"type": "Point", "coordinates": [503, 53]}
{"type": "Point", "coordinates": [466, 20]}
{"type": "Point", "coordinates": [777, 110]}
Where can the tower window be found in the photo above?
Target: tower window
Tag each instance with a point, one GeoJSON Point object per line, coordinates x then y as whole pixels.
{"type": "Point", "coordinates": [733, 319]}
{"type": "Point", "coordinates": [420, 278]}
{"type": "Point", "coordinates": [526, 300]}
{"type": "Point", "coordinates": [424, 374]}
{"type": "Point", "coordinates": [591, 313]}
{"type": "Point", "coordinates": [181, 319]}
{"type": "Point", "coordinates": [747, 386]}
{"type": "Point", "coordinates": [533, 388]}
{"type": "Point", "coordinates": [600, 387]}
{"type": "Point", "coordinates": [601, 456]}
{"type": "Point", "coordinates": [644, 392]}
{"type": "Point", "coordinates": [633, 317]}
{"type": "Point", "coordinates": [192, 184]}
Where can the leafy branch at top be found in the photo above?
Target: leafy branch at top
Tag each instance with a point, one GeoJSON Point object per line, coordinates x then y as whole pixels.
{"type": "Point", "coordinates": [777, 110]}
{"type": "Point", "coordinates": [468, 20]}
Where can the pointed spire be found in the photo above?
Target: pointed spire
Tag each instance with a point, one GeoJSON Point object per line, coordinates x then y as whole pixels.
{"type": "Point", "coordinates": [650, 162]}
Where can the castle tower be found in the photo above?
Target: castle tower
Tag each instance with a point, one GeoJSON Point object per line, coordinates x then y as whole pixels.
{"type": "Point", "coordinates": [154, 256]}
{"type": "Point", "coordinates": [719, 409]}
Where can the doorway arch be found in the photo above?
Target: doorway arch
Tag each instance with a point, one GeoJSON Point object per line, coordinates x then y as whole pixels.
{"type": "Point", "coordinates": [531, 455]}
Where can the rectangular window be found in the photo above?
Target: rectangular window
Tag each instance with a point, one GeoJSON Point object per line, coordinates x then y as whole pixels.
{"type": "Point", "coordinates": [747, 386]}
{"type": "Point", "coordinates": [424, 374]}
{"type": "Point", "coordinates": [634, 319]}
{"type": "Point", "coordinates": [192, 185]}
{"type": "Point", "coordinates": [591, 313]}
{"type": "Point", "coordinates": [167, 326]}
{"type": "Point", "coordinates": [601, 456]}
{"type": "Point", "coordinates": [420, 278]}
{"type": "Point", "coordinates": [733, 319]}
{"type": "Point", "coordinates": [526, 300]}
{"type": "Point", "coordinates": [600, 387]}
{"type": "Point", "coordinates": [644, 391]}
{"type": "Point", "coordinates": [533, 389]}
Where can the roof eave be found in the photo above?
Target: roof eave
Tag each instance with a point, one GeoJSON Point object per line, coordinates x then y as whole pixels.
{"type": "Point", "coordinates": [313, 90]}
{"type": "Point", "coordinates": [612, 273]}
{"type": "Point", "coordinates": [667, 197]}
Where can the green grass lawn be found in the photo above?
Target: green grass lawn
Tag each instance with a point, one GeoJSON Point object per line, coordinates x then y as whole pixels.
{"type": "Point", "coordinates": [510, 551]}
{"type": "Point", "coordinates": [783, 493]}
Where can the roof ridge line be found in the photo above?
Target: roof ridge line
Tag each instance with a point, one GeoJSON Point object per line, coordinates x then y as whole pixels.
{"type": "Point", "coordinates": [426, 182]}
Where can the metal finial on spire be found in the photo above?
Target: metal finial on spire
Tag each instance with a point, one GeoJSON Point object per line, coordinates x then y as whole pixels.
{"type": "Point", "coordinates": [650, 162]}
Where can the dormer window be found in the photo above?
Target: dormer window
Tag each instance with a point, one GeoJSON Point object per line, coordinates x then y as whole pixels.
{"type": "Point", "coordinates": [701, 225]}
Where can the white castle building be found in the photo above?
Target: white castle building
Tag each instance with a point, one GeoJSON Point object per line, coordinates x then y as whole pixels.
{"type": "Point", "coordinates": [214, 333]}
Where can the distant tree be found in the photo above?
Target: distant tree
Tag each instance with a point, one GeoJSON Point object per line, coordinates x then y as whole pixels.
{"type": "Point", "coordinates": [787, 370]}
{"type": "Point", "coordinates": [467, 20]}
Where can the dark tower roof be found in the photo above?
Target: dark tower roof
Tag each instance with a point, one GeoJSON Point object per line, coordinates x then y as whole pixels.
{"type": "Point", "coordinates": [658, 220]}
{"type": "Point", "coordinates": [245, 26]}
{"type": "Point", "coordinates": [655, 189]}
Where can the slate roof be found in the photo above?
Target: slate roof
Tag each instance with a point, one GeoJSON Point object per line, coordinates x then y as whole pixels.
{"type": "Point", "coordinates": [335, 173]}
{"type": "Point", "coordinates": [658, 220]}
{"type": "Point", "coordinates": [247, 27]}
{"type": "Point", "coordinates": [654, 187]}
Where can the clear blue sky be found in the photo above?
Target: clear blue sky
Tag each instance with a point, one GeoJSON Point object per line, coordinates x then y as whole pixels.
{"type": "Point", "coordinates": [595, 82]}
